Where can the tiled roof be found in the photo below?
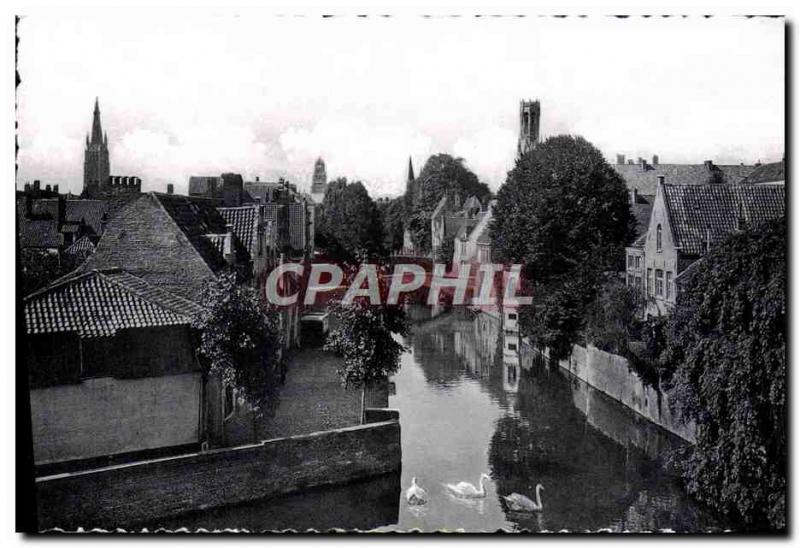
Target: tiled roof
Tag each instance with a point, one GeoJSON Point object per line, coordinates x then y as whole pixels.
{"type": "Point", "coordinates": [164, 239]}
{"type": "Point", "coordinates": [90, 211]}
{"type": "Point", "coordinates": [700, 213]}
{"type": "Point", "coordinates": [767, 173]}
{"type": "Point", "coordinates": [41, 233]}
{"type": "Point", "coordinates": [197, 218]}
{"type": "Point", "coordinates": [261, 190]}
{"type": "Point", "coordinates": [244, 221]}
{"type": "Point", "coordinates": [99, 303]}
{"type": "Point", "coordinates": [83, 246]}
{"type": "Point", "coordinates": [645, 179]}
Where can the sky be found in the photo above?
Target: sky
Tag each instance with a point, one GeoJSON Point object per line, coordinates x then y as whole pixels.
{"type": "Point", "coordinates": [262, 95]}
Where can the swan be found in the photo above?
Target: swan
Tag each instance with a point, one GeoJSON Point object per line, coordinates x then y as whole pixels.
{"type": "Point", "coordinates": [467, 490]}
{"type": "Point", "coordinates": [517, 502]}
{"type": "Point", "coordinates": [415, 494]}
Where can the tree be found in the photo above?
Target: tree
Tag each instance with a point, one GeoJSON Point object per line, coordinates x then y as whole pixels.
{"type": "Point", "coordinates": [441, 173]}
{"type": "Point", "coordinates": [240, 340]}
{"type": "Point", "coordinates": [393, 213]}
{"type": "Point", "coordinates": [611, 321]}
{"type": "Point", "coordinates": [726, 353]}
{"type": "Point", "coordinates": [563, 214]}
{"type": "Point", "coordinates": [350, 226]}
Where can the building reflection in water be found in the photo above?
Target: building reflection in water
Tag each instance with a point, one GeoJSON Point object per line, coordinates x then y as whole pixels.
{"type": "Point", "coordinates": [600, 463]}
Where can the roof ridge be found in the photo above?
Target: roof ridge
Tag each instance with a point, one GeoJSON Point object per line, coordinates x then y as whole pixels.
{"type": "Point", "coordinates": [67, 279]}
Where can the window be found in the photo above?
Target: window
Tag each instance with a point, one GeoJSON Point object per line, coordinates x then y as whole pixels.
{"type": "Point", "coordinates": [638, 262]}
{"type": "Point", "coordinates": [630, 261]}
{"type": "Point", "coordinates": [659, 283]}
{"type": "Point", "coordinates": [669, 285]}
{"type": "Point", "coordinates": [630, 280]}
{"type": "Point", "coordinates": [658, 238]}
{"type": "Point", "coordinates": [512, 316]}
{"type": "Point", "coordinates": [512, 346]}
{"type": "Point", "coordinates": [649, 281]}
{"type": "Point", "coordinates": [639, 286]}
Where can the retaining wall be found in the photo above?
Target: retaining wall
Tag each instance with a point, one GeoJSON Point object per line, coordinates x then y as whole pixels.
{"type": "Point", "coordinates": [124, 495]}
{"type": "Point", "coordinates": [613, 375]}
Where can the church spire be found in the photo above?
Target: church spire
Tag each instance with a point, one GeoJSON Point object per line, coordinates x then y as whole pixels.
{"type": "Point", "coordinates": [410, 171]}
{"type": "Point", "coordinates": [97, 130]}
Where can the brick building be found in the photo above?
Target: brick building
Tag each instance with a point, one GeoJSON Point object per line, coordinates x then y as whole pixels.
{"type": "Point", "coordinates": [686, 222]}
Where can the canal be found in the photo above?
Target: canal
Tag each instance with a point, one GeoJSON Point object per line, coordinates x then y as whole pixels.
{"type": "Point", "coordinates": [469, 406]}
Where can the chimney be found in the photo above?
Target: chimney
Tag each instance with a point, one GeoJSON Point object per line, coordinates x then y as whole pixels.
{"type": "Point", "coordinates": [620, 159]}
{"type": "Point", "coordinates": [257, 179]}
{"type": "Point", "coordinates": [630, 162]}
{"type": "Point", "coordinates": [36, 185]}
{"type": "Point", "coordinates": [661, 179]}
{"type": "Point", "coordinates": [47, 188]}
{"type": "Point", "coordinates": [27, 188]}
{"type": "Point", "coordinates": [643, 163]}
{"type": "Point", "coordinates": [655, 159]}
{"type": "Point", "coordinates": [170, 188]}
{"type": "Point", "coordinates": [55, 189]}
{"type": "Point", "coordinates": [227, 248]}
{"type": "Point", "coordinates": [709, 164]}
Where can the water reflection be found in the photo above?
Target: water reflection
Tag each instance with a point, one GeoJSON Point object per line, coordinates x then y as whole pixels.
{"type": "Point", "coordinates": [473, 400]}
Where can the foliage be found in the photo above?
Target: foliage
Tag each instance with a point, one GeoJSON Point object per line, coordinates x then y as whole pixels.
{"type": "Point", "coordinates": [350, 226]}
{"type": "Point", "coordinates": [611, 320]}
{"type": "Point", "coordinates": [240, 340]}
{"type": "Point", "coordinates": [362, 336]}
{"type": "Point", "coordinates": [445, 252]}
{"type": "Point", "coordinates": [564, 214]}
{"type": "Point", "coordinates": [393, 213]}
{"type": "Point", "coordinates": [40, 268]}
{"type": "Point", "coordinates": [726, 353]}
{"type": "Point", "coordinates": [441, 173]}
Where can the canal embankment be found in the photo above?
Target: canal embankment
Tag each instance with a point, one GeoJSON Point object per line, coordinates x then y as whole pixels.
{"type": "Point", "coordinates": [123, 495]}
{"type": "Point", "coordinates": [614, 376]}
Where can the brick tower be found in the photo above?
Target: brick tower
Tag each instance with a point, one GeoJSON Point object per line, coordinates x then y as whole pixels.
{"type": "Point", "coordinates": [96, 169]}
{"type": "Point", "coordinates": [528, 126]}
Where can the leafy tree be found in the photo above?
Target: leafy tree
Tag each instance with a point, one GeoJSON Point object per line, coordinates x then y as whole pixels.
{"type": "Point", "coordinates": [441, 173]}
{"type": "Point", "coordinates": [350, 226]}
{"type": "Point", "coordinates": [726, 351]}
{"type": "Point", "coordinates": [240, 340]}
{"type": "Point", "coordinates": [611, 320]}
{"type": "Point", "coordinates": [564, 214]}
{"type": "Point", "coordinates": [393, 213]}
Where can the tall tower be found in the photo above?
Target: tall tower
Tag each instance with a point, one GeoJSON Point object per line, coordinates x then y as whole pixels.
{"type": "Point", "coordinates": [96, 167]}
{"type": "Point", "coordinates": [528, 126]}
{"type": "Point", "coordinates": [319, 182]}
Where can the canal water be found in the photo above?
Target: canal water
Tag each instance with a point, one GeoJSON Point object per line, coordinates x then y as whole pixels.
{"type": "Point", "coordinates": [473, 401]}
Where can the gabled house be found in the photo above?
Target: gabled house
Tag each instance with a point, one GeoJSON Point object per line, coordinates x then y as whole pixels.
{"type": "Point", "coordinates": [450, 215]}
{"type": "Point", "coordinates": [686, 223]}
{"type": "Point", "coordinates": [112, 369]}
{"type": "Point", "coordinates": [473, 242]}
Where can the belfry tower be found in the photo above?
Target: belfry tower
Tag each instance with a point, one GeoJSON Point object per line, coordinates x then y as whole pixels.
{"type": "Point", "coordinates": [96, 168]}
{"type": "Point", "coordinates": [319, 182]}
{"type": "Point", "coordinates": [529, 112]}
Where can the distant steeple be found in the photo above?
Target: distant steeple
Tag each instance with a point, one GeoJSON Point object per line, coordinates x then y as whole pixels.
{"type": "Point", "coordinates": [410, 187]}
{"type": "Point", "coordinates": [410, 178]}
{"type": "Point", "coordinates": [97, 130]}
{"type": "Point", "coordinates": [96, 168]}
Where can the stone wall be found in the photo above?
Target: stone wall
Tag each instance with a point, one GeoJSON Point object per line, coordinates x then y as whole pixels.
{"type": "Point", "coordinates": [613, 375]}
{"type": "Point", "coordinates": [121, 496]}
{"type": "Point", "coordinates": [107, 416]}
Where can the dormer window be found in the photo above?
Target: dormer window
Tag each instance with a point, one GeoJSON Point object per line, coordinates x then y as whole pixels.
{"type": "Point", "coordinates": [658, 238]}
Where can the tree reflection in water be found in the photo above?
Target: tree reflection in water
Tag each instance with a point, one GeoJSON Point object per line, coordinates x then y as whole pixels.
{"type": "Point", "coordinates": [596, 459]}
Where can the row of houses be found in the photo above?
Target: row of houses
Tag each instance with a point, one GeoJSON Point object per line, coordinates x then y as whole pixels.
{"type": "Point", "coordinates": [690, 217]}
{"type": "Point", "coordinates": [112, 358]}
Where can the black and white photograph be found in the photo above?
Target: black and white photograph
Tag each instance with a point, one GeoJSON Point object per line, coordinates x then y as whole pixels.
{"type": "Point", "coordinates": [400, 273]}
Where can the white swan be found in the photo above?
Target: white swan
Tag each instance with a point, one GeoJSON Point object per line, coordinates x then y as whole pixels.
{"type": "Point", "coordinates": [521, 503]}
{"type": "Point", "coordinates": [415, 494]}
{"type": "Point", "coordinates": [467, 490]}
